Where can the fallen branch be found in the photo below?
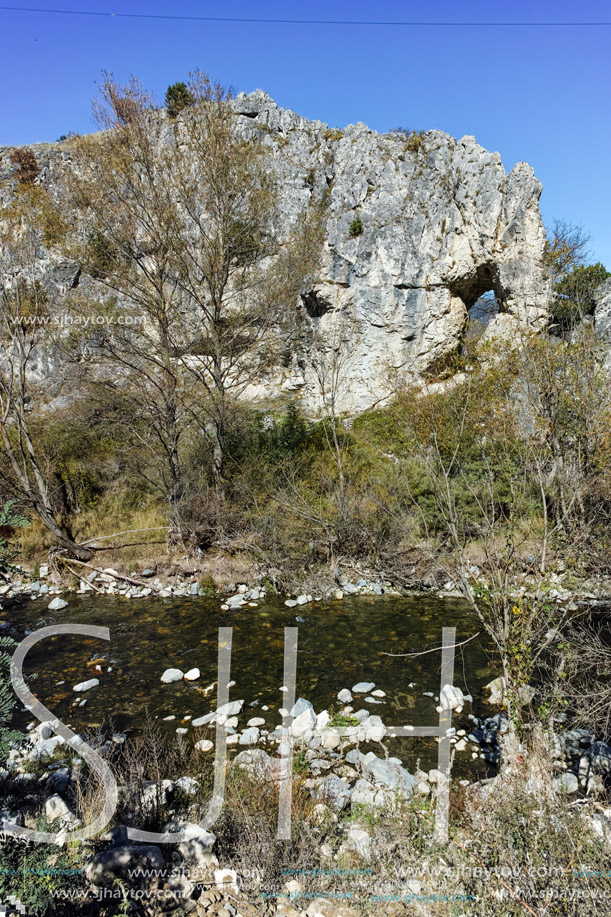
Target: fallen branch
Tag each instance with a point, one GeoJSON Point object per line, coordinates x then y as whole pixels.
{"type": "Point", "coordinates": [158, 528]}
{"type": "Point", "coordinates": [435, 649]}
{"type": "Point", "coordinates": [83, 580]}
{"type": "Point", "coordinates": [121, 576]}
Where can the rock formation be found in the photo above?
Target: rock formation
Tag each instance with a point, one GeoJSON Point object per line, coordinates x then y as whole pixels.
{"type": "Point", "coordinates": [438, 223]}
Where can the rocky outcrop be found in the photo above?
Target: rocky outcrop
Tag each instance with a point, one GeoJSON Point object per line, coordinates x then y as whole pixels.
{"type": "Point", "coordinates": [602, 312]}
{"type": "Point", "coordinates": [442, 224]}
{"type": "Point", "coordinates": [418, 227]}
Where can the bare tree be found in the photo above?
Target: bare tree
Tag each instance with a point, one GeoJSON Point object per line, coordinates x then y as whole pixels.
{"type": "Point", "coordinates": [122, 221]}
{"type": "Point", "coordinates": [566, 248]}
{"type": "Point", "coordinates": [26, 310]}
{"type": "Point", "coordinates": [178, 218]}
{"type": "Point", "coordinates": [238, 278]}
{"type": "Point", "coordinates": [481, 475]}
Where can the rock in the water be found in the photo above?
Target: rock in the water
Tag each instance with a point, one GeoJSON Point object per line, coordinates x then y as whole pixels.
{"type": "Point", "coordinates": [192, 675]}
{"type": "Point", "coordinates": [57, 604]}
{"type": "Point", "coordinates": [363, 687]}
{"type": "Point", "coordinates": [451, 698]}
{"type": "Point", "coordinates": [171, 675]}
{"type": "Point", "coordinates": [86, 685]}
{"type": "Point", "coordinates": [345, 696]}
{"type": "Point", "coordinates": [232, 708]}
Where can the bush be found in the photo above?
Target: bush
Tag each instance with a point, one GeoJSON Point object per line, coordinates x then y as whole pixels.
{"type": "Point", "coordinates": [7, 700]}
{"type": "Point", "coordinates": [575, 295]}
{"type": "Point", "coordinates": [356, 228]}
{"type": "Point", "coordinates": [27, 169]}
{"type": "Point", "coordinates": [415, 141]}
{"type": "Point", "coordinates": [177, 98]}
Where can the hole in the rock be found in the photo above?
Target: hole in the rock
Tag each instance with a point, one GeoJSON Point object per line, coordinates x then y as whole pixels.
{"type": "Point", "coordinates": [483, 297]}
{"type": "Point", "coordinates": [483, 310]}
{"type": "Point", "coordinates": [315, 305]}
{"type": "Point", "coordinates": [481, 282]}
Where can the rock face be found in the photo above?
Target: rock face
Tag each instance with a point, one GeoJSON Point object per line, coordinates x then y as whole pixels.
{"type": "Point", "coordinates": [442, 224]}
{"type": "Point", "coordinates": [439, 222]}
{"type": "Point", "coordinates": [602, 313]}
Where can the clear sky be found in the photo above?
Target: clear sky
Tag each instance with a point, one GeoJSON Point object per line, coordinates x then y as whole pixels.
{"type": "Point", "coordinates": [539, 94]}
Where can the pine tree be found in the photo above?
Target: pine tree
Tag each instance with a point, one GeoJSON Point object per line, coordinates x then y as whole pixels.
{"type": "Point", "coordinates": [178, 97]}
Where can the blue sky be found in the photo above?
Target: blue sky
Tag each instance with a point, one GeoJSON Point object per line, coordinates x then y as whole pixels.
{"type": "Point", "coordinates": [539, 94]}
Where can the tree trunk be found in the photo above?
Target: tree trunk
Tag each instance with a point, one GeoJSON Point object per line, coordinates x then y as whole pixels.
{"type": "Point", "coordinates": [59, 532]}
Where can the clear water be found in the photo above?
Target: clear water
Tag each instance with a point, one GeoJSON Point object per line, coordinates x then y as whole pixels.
{"type": "Point", "coordinates": [340, 643]}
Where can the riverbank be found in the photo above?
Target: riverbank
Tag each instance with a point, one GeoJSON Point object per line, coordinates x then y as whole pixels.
{"type": "Point", "coordinates": [363, 833]}
{"type": "Point", "coordinates": [185, 577]}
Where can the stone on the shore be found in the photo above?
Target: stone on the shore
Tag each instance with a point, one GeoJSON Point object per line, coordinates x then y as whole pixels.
{"type": "Point", "coordinates": [56, 808]}
{"type": "Point", "coordinates": [374, 729]}
{"type": "Point", "coordinates": [188, 785]}
{"type": "Point", "coordinates": [204, 745]}
{"type": "Point", "coordinates": [171, 675]}
{"type": "Point", "coordinates": [335, 790]}
{"type": "Point", "coordinates": [566, 783]}
{"type": "Point", "coordinates": [250, 736]}
{"type": "Point", "coordinates": [599, 756]}
{"type": "Point", "coordinates": [359, 841]}
{"type": "Point", "coordinates": [118, 862]}
{"type": "Point", "coordinates": [331, 738]}
{"type": "Point", "coordinates": [389, 773]}
{"type": "Point", "coordinates": [302, 723]}
{"type": "Point", "coordinates": [497, 688]}
{"type": "Point", "coordinates": [300, 705]}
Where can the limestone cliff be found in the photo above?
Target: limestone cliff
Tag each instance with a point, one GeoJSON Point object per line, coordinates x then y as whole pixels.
{"type": "Point", "coordinates": [439, 223]}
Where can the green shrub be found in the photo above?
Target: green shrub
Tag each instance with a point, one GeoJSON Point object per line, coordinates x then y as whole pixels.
{"type": "Point", "coordinates": [415, 141]}
{"type": "Point", "coordinates": [8, 701]}
{"type": "Point", "coordinates": [356, 227]}
{"type": "Point", "coordinates": [177, 98]}
{"type": "Point", "coordinates": [575, 295]}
